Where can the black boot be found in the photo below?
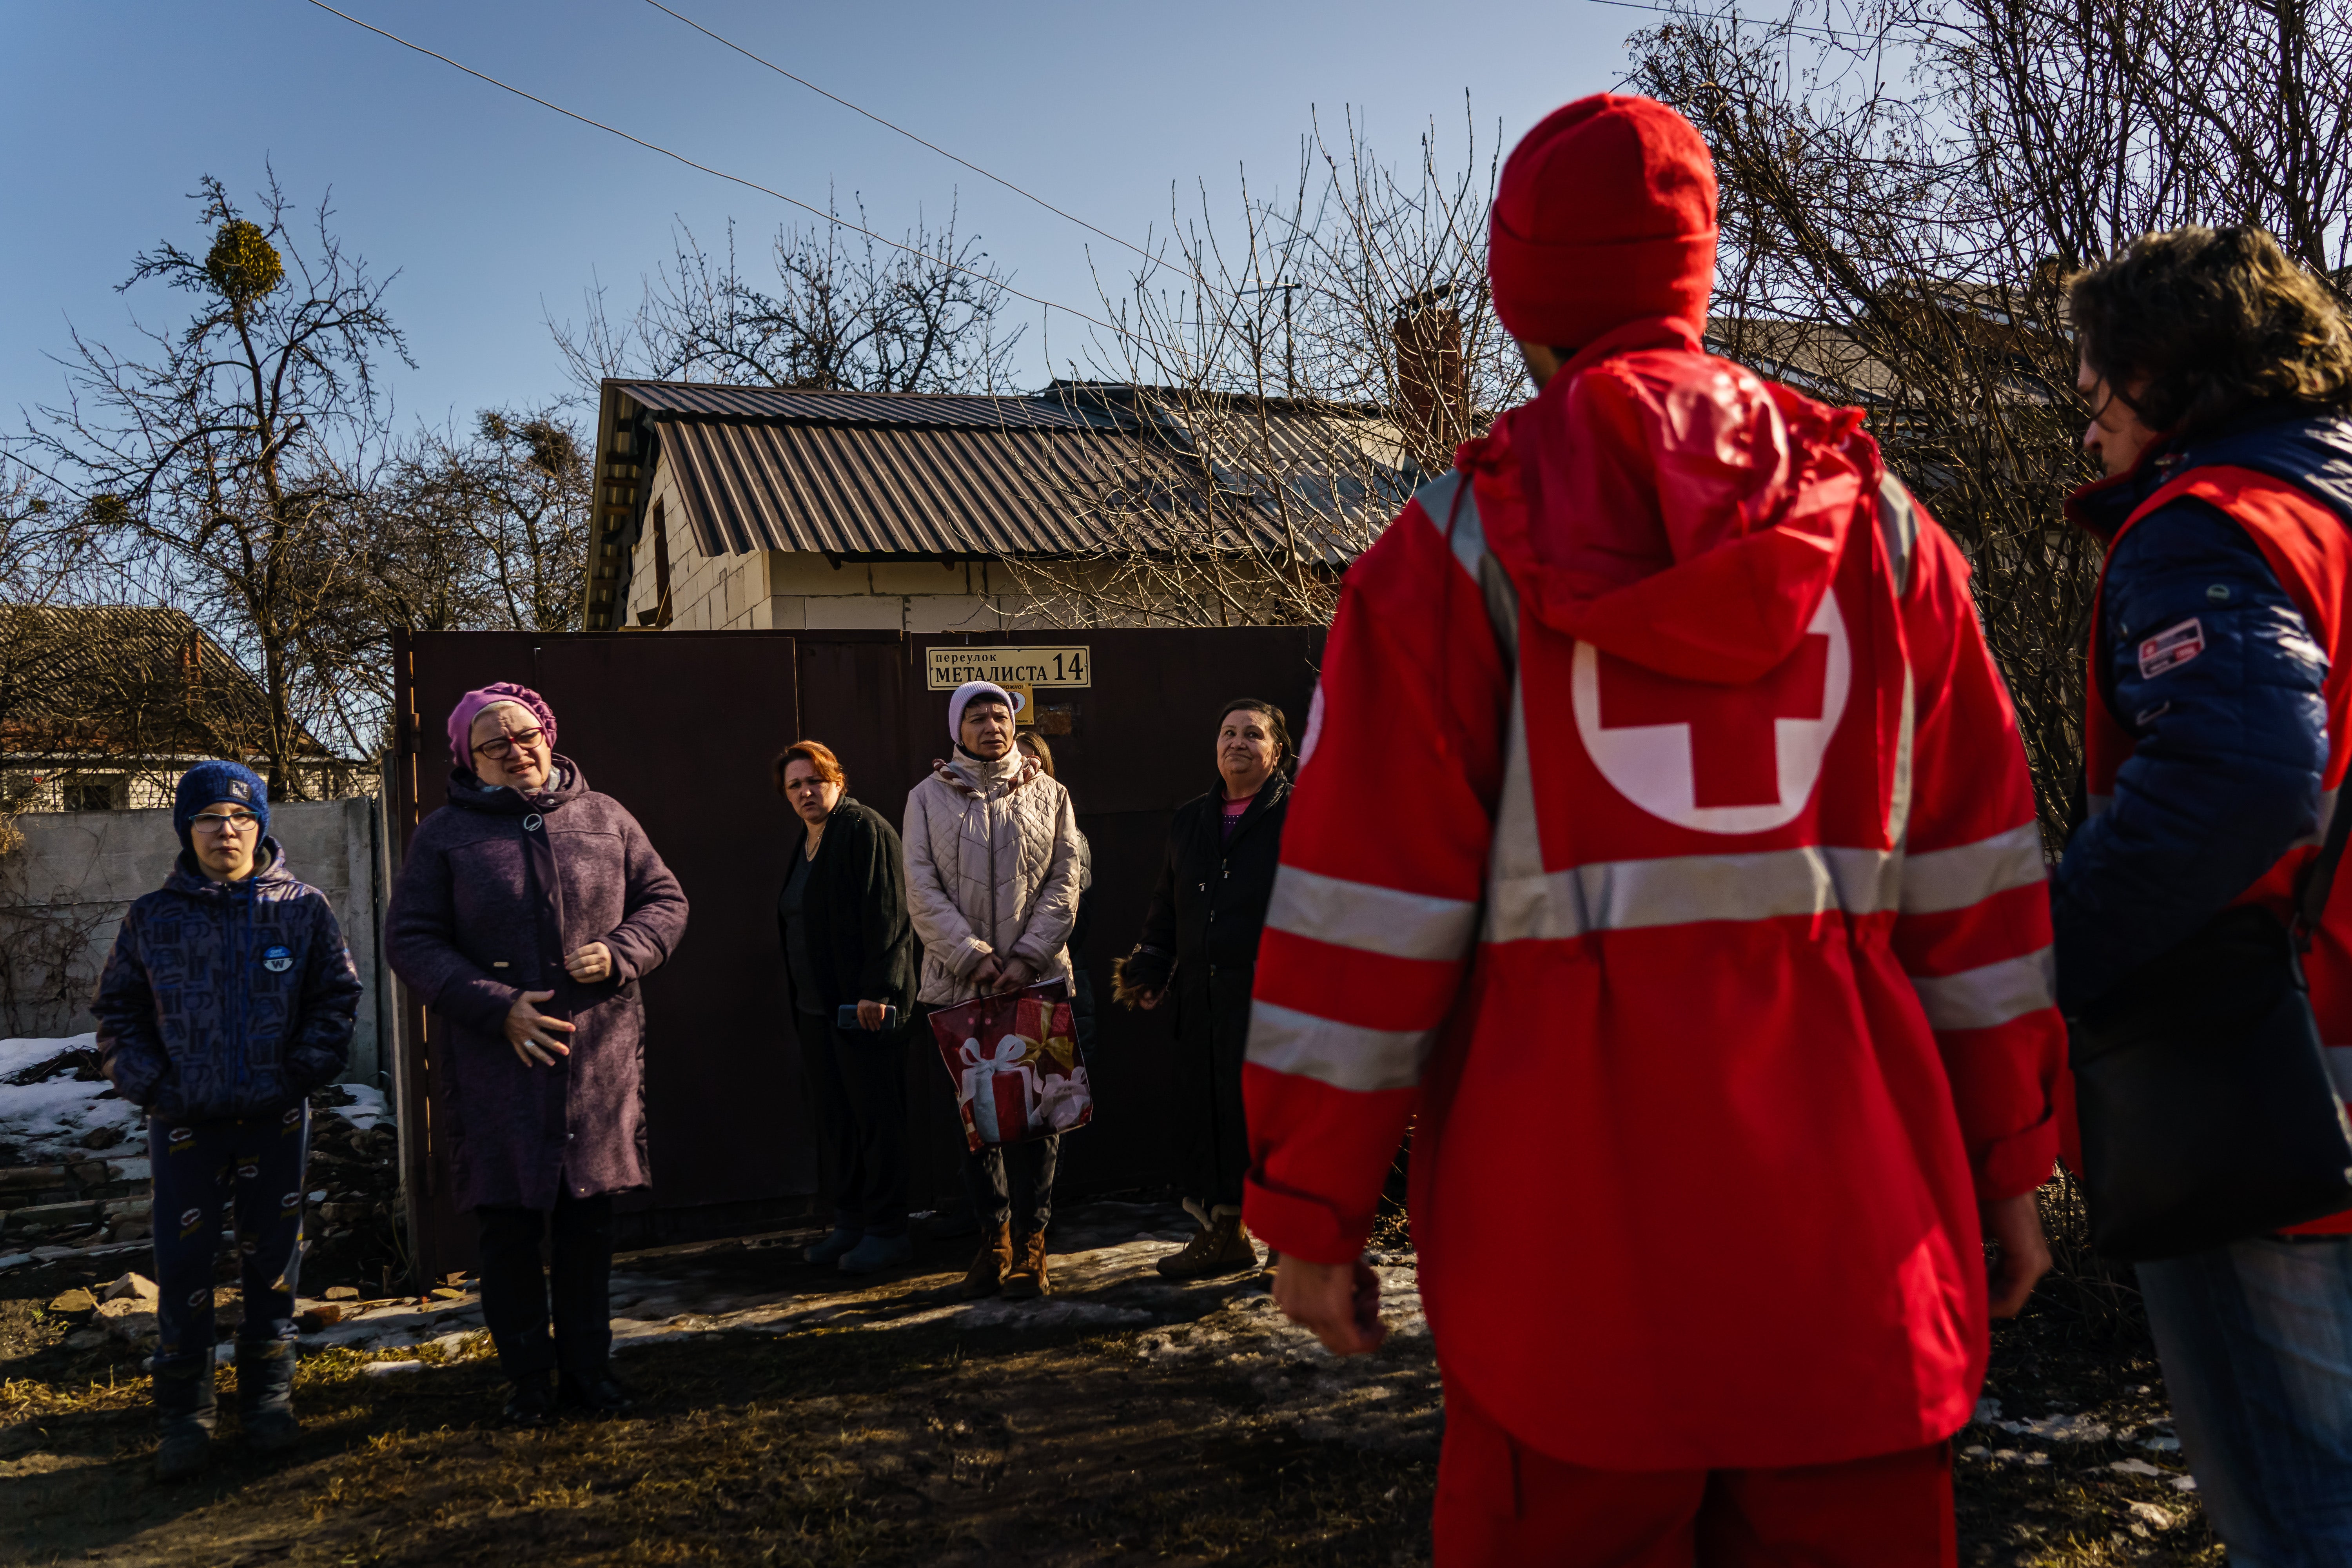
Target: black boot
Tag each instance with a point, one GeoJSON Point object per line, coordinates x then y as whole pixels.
{"type": "Point", "coordinates": [264, 1395]}
{"type": "Point", "coordinates": [531, 1403]}
{"type": "Point", "coordinates": [183, 1419]}
{"type": "Point", "coordinates": [596, 1393]}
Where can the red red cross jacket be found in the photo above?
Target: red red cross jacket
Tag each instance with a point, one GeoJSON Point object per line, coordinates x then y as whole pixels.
{"type": "Point", "coordinates": [1664, 842]}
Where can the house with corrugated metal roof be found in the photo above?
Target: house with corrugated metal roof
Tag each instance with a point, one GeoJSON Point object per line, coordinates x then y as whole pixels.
{"type": "Point", "coordinates": [760, 507]}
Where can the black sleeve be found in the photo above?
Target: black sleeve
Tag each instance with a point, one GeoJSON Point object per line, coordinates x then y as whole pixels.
{"type": "Point", "coordinates": [1154, 958]}
{"type": "Point", "coordinates": [882, 917]}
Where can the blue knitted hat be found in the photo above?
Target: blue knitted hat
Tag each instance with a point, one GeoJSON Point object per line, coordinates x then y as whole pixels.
{"type": "Point", "coordinates": [205, 783]}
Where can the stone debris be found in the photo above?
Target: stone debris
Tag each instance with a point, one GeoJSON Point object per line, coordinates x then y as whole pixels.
{"type": "Point", "coordinates": [59, 1198]}
{"type": "Point", "coordinates": [130, 1284]}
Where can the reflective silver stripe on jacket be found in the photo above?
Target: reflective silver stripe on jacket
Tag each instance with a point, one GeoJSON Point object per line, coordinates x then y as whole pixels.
{"type": "Point", "coordinates": [1968, 874]}
{"type": "Point", "coordinates": [1345, 1055]}
{"type": "Point", "coordinates": [1898, 527]}
{"type": "Point", "coordinates": [1370, 919]}
{"type": "Point", "coordinates": [1625, 895]}
{"type": "Point", "coordinates": [1984, 998]}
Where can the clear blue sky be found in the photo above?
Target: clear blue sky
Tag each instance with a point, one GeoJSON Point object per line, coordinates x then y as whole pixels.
{"type": "Point", "coordinates": [492, 209]}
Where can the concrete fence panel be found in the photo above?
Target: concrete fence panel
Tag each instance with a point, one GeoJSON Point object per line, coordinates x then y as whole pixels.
{"type": "Point", "coordinates": [63, 889]}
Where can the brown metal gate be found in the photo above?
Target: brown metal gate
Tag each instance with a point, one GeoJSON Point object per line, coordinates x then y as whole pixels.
{"type": "Point", "coordinates": [681, 727]}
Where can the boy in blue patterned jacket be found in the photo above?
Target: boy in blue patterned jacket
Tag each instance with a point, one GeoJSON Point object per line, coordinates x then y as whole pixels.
{"type": "Point", "coordinates": [228, 998]}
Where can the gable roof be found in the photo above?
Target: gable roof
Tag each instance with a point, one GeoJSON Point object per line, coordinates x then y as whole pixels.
{"type": "Point", "coordinates": [123, 681]}
{"type": "Point", "coordinates": [1078, 468]}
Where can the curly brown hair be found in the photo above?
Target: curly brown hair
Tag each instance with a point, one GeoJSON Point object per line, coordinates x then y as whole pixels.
{"type": "Point", "coordinates": [2193, 325]}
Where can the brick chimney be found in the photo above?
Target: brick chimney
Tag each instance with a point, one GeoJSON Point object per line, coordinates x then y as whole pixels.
{"type": "Point", "coordinates": [1433, 383]}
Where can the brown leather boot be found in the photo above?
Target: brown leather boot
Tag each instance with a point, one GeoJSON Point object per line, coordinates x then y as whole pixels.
{"type": "Point", "coordinates": [1222, 1247]}
{"type": "Point", "coordinates": [990, 1264]}
{"type": "Point", "coordinates": [1029, 1277]}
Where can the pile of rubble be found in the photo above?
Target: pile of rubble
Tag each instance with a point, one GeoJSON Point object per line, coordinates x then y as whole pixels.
{"type": "Point", "coordinates": [355, 1172]}
{"type": "Point", "coordinates": [82, 1202]}
{"type": "Point", "coordinates": [75, 1177]}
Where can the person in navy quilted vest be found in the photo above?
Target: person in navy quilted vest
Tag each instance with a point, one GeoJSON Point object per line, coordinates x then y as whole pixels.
{"type": "Point", "coordinates": [229, 996]}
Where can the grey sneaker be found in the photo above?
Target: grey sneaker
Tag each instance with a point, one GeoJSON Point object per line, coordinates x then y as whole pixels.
{"type": "Point", "coordinates": [844, 1239]}
{"type": "Point", "coordinates": [876, 1253]}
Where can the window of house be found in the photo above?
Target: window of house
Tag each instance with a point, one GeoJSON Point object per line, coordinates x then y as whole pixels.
{"type": "Point", "coordinates": [96, 794]}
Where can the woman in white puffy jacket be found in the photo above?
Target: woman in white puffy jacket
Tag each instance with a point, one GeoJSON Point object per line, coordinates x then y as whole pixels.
{"type": "Point", "coordinates": [993, 885]}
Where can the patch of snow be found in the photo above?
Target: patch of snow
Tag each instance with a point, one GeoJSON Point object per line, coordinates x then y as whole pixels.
{"type": "Point", "coordinates": [2148, 1513]}
{"type": "Point", "coordinates": [16, 1056]}
{"type": "Point", "coordinates": [368, 1106]}
{"type": "Point", "coordinates": [2135, 1468]}
{"type": "Point", "coordinates": [1987, 1410]}
{"type": "Point", "coordinates": [2060, 1428]}
{"type": "Point", "coordinates": [2161, 1445]}
{"type": "Point", "coordinates": [13, 1258]}
{"type": "Point", "coordinates": [386, 1368]}
{"type": "Point", "coordinates": [2184, 1483]}
{"type": "Point", "coordinates": [48, 1122]}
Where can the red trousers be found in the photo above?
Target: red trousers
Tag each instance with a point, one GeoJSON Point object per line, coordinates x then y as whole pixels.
{"type": "Point", "coordinates": [1500, 1504]}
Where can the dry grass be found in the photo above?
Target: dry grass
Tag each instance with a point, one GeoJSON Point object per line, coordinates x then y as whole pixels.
{"type": "Point", "coordinates": [923, 1446]}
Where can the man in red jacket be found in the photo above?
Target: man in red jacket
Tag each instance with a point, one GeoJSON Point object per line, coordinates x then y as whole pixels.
{"type": "Point", "coordinates": [1713, 960]}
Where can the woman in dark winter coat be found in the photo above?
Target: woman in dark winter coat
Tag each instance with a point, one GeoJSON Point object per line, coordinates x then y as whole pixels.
{"type": "Point", "coordinates": [528, 889]}
{"type": "Point", "coordinates": [848, 943]}
{"type": "Point", "coordinates": [1200, 942]}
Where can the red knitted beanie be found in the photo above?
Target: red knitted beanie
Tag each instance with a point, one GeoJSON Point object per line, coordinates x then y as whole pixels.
{"type": "Point", "coordinates": [1605, 214]}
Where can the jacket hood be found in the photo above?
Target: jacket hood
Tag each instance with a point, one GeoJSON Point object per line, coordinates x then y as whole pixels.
{"type": "Point", "coordinates": [566, 783]}
{"type": "Point", "coordinates": [1674, 509]}
{"type": "Point", "coordinates": [270, 872]}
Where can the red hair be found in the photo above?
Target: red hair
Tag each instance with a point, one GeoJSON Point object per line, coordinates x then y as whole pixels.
{"type": "Point", "coordinates": [816, 754]}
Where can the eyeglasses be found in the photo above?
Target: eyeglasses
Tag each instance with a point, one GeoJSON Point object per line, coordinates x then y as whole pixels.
{"type": "Point", "coordinates": [505, 745]}
{"type": "Point", "coordinates": [214, 822]}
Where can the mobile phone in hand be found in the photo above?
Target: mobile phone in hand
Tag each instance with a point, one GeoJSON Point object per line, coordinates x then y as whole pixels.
{"type": "Point", "coordinates": [847, 1017]}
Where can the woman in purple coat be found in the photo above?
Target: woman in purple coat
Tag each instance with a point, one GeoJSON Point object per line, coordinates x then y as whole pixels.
{"type": "Point", "coordinates": [527, 890]}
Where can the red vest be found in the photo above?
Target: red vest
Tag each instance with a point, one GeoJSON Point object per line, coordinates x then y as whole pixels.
{"type": "Point", "coordinates": [2310, 550]}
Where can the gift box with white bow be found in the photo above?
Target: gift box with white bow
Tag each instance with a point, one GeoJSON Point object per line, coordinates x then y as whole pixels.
{"type": "Point", "coordinates": [1016, 1064]}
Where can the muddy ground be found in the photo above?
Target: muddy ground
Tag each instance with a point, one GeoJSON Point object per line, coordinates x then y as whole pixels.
{"type": "Point", "coordinates": [790, 1416]}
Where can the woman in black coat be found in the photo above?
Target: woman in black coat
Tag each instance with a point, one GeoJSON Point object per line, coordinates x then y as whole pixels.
{"type": "Point", "coordinates": [1200, 942]}
{"type": "Point", "coordinates": [847, 940]}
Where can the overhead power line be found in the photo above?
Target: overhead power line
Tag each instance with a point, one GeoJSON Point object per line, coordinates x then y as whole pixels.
{"type": "Point", "coordinates": [832, 218]}
{"type": "Point", "coordinates": [888, 125]}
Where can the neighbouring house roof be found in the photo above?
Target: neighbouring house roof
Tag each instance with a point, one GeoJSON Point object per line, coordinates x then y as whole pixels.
{"type": "Point", "coordinates": [1078, 468]}
{"type": "Point", "coordinates": [1822, 362]}
{"type": "Point", "coordinates": [122, 682]}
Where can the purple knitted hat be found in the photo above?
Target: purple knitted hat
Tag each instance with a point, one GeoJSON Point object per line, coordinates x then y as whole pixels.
{"type": "Point", "coordinates": [470, 708]}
